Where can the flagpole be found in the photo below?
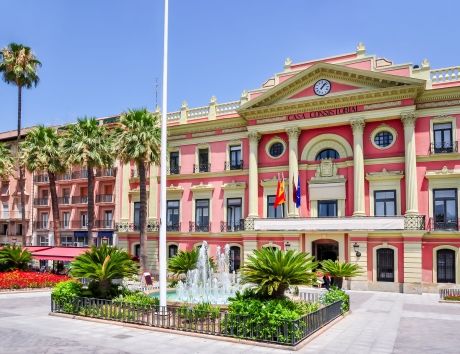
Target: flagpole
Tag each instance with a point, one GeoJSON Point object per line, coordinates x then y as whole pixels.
{"type": "Point", "coordinates": [164, 112]}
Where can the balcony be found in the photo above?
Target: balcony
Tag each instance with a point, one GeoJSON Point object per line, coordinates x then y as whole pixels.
{"type": "Point", "coordinates": [199, 227]}
{"type": "Point", "coordinates": [232, 227]}
{"type": "Point", "coordinates": [443, 147]}
{"type": "Point", "coordinates": [202, 167]}
{"type": "Point", "coordinates": [104, 224]}
{"type": "Point", "coordinates": [79, 224]}
{"type": "Point", "coordinates": [13, 215]}
{"type": "Point", "coordinates": [64, 177]}
{"type": "Point", "coordinates": [173, 227]}
{"type": "Point", "coordinates": [367, 223]}
{"type": "Point", "coordinates": [43, 225]}
{"type": "Point", "coordinates": [80, 199]}
{"type": "Point", "coordinates": [444, 225]}
{"type": "Point", "coordinates": [82, 174]}
{"type": "Point", "coordinates": [234, 165]}
{"type": "Point", "coordinates": [173, 170]}
{"type": "Point", "coordinates": [41, 202]}
{"type": "Point", "coordinates": [106, 172]}
{"type": "Point", "coordinates": [41, 178]}
{"type": "Point", "coordinates": [64, 200]}
{"type": "Point", "coordinates": [152, 226]}
{"type": "Point", "coordinates": [104, 198]}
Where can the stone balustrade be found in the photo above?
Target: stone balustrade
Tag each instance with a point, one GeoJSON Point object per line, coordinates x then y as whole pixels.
{"type": "Point", "coordinates": [445, 75]}
{"type": "Point", "coordinates": [224, 108]}
{"type": "Point", "coordinates": [199, 112]}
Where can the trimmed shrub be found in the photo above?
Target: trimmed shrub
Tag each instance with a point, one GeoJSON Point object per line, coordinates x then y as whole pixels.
{"type": "Point", "coordinates": [335, 294]}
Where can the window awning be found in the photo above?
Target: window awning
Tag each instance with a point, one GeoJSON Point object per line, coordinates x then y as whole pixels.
{"type": "Point", "coordinates": [59, 253]}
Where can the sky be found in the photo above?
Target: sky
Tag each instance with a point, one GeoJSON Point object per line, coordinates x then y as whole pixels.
{"type": "Point", "coordinates": [102, 57]}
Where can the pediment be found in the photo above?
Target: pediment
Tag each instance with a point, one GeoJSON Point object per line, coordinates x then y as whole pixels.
{"type": "Point", "coordinates": [346, 83]}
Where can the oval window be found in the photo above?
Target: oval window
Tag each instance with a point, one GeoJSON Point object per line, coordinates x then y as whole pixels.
{"type": "Point", "coordinates": [383, 139]}
{"type": "Point", "coordinates": [276, 149]}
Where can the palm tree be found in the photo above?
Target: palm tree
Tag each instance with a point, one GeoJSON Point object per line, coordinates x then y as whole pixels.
{"type": "Point", "coordinates": [101, 265]}
{"type": "Point", "coordinates": [273, 271]}
{"type": "Point", "coordinates": [19, 65]}
{"type": "Point", "coordinates": [138, 140]}
{"type": "Point", "coordinates": [41, 151]}
{"type": "Point", "coordinates": [89, 144]}
{"type": "Point", "coordinates": [6, 162]}
{"type": "Point", "coordinates": [184, 261]}
{"type": "Point", "coordinates": [14, 257]}
{"type": "Point", "coordinates": [339, 270]}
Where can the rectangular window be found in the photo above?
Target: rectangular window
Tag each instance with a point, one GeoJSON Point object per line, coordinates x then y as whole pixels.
{"type": "Point", "coordinates": [272, 212]}
{"type": "Point", "coordinates": [172, 215]}
{"type": "Point", "coordinates": [236, 162]}
{"type": "Point", "coordinates": [442, 137]}
{"type": "Point", "coordinates": [234, 214]}
{"type": "Point", "coordinates": [202, 215]}
{"type": "Point", "coordinates": [5, 211]}
{"type": "Point", "coordinates": [174, 162]}
{"type": "Point", "coordinates": [385, 203]}
{"type": "Point", "coordinates": [108, 217]}
{"type": "Point", "coordinates": [44, 220]}
{"type": "Point", "coordinates": [203, 160]}
{"type": "Point", "coordinates": [67, 240]}
{"type": "Point", "coordinates": [445, 209]}
{"type": "Point", "coordinates": [327, 208]}
{"type": "Point", "coordinates": [137, 215]}
{"type": "Point", "coordinates": [83, 220]}
{"type": "Point", "coordinates": [43, 240]}
{"type": "Point", "coordinates": [5, 188]}
{"type": "Point", "coordinates": [66, 220]}
{"type": "Point", "coordinates": [18, 229]}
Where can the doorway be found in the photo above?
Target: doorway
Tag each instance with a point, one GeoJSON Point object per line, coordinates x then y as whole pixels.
{"type": "Point", "coordinates": [325, 249]}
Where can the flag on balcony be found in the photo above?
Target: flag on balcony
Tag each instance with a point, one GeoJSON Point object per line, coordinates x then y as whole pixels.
{"type": "Point", "coordinates": [280, 193]}
{"type": "Point", "coordinates": [296, 196]}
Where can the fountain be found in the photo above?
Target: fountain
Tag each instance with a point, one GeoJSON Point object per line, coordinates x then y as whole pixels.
{"type": "Point", "coordinates": [203, 284]}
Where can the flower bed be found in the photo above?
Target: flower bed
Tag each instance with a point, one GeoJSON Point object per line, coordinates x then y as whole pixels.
{"type": "Point", "coordinates": [452, 297]}
{"type": "Point", "coordinates": [22, 280]}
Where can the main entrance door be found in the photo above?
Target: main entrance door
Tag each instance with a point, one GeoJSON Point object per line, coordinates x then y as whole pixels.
{"type": "Point", "coordinates": [325, 249]}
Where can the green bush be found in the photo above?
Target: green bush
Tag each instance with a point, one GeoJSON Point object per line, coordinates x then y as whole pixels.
{"type": "Point", "coordinates": [65, 293]}
{"type": "Point", "coordinates": [139, 299]}
{"type": "Point", "coordinates": [184, 261]}
{"type": "Point", "coordinates": [305, 307]}
{"type": "Point", "coordinates": [334, 295]}
{"type": "Point", "coordinates": [200, 311]}
{"type": "Point", "coordinates": [14, 257]}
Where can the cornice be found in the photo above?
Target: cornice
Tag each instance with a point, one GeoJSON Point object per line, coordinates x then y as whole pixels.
{"type": "Point", "coordinates": [443, 174]}
{"type": "Point", "coordinates": [202, 188]}
{"type": "Point", "coordinates": [207, 125]}
{"type": "Point", "coordinates": [234, 186]}
{"type": "Point", "coordinates": [207, 175]}
{"type": "Point", "coordinates": [439, 157]}
{"type": "Point", "coordinates": [384, 175]}
{"type": "Point", "coordinates": [441, 94]}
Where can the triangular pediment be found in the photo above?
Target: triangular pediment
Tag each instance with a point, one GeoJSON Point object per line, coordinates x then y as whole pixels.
{"type": "Point", "coordinates": [346, 84]}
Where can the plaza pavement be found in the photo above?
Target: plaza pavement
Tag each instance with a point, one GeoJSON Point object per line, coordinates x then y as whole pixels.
{"type": "Point", "coordinates": [379, 323]}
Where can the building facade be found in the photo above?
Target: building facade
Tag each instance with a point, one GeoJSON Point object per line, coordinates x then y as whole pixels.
{"type": "Point", "coordinates": [371, 144]}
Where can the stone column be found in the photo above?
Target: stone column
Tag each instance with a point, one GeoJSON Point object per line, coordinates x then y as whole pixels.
{"type": "Point", "coordinates": [293, 134]}
{"type": "Point", "coordinates": [253, 175]}
{"type": "Point", "coordinates": [408, 120]}
{"type": "Point", "coordinates": [358, 167]}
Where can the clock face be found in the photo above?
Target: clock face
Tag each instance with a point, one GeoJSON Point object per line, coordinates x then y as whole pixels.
{"type": "Point", "coordinates": [322, 87]}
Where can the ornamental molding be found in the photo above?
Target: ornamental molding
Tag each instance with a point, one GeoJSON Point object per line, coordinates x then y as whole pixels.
{"type": "Point", "coordinates": [384, 175]}
{"type": "Point", "coordinates": [271, 182]}
{"type": "Point", "coordinates": [234, 186]}
{"type": "Point", "coordinates": [174, 190]}
{"type": "Point", "coordinates": [293, 132]}
{"type": "Point", "coordinates": [408, 119]}
{"type": "Point", "coordinates": [432, 98]}
{"type": "Point", "coordinates": [202, 188]}
{"type": "Point", "coordinates": [443, 173]}
{"type": "Point", "coordinates": [357, 125]}
{"type": "Point", "coordinates": [382, 105]}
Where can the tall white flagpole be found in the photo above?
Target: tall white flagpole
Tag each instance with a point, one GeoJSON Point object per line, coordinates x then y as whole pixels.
{"type": "Point", "coordinates": [164, 111]}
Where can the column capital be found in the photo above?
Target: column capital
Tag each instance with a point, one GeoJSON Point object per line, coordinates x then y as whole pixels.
{"type": "Point", "coordinates": [408, 119]}
{"type": "Point", "coordinates": [293, 132]}
{"type": "Point", "coordinates": [357, 125]}
{"type": "Point", "coordinates": [254, 137]}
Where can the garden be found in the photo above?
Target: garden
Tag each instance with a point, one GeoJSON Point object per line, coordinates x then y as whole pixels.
{"type": "Point", "coordinates": [14, 273]}
{"type": "Point", "coordinates": [266, 309]}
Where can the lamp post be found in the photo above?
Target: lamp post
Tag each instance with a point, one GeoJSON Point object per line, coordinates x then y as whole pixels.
{"type": "Point", "coordinates": [164, 111]}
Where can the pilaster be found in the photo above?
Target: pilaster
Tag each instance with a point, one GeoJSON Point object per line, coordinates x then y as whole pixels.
{"type": "Point", "coordinates": [293, 134]}
{"type": "Point", "coordinates": [358, 167]}
{"type": "Point", "coordinates": [408, 120]}
{"type": "Point", "coordinates": [254, 138]}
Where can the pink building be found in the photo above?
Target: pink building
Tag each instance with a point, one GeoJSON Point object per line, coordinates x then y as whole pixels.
{"type": "Point", "coordinates": [373, 145]}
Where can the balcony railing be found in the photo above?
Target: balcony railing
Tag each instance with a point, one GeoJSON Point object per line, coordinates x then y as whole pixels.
{"type": "Point", "coordinates": [104, 224]}
{"type": "Point", "coordinates": [444, 225]}
{"type": "Point", "coordinates": [234, 165]}
{"type": "Point", "coordinates": [199, 227]}
{"type": "Point", "coordinates": [173, 170]}
{"type": "Point", "coordinates": [80, 199]}
{"type": "Point", "coordinates": [64, 177]}
{"type": "Point", "coordinates": [173, 227]}
{"type": "Point", "coordinates": [41, 201]}
{"type": "Point", "coordinates": [106, 172]}
{"type": "Point", "coordinates": [64, 200]}
{"type": "Point", "coordinates": [43, 225]}
{"type": "Point", "coordinates": [104, 198]}
{"type": "Point", "coordinates": [152, 226]}
{"type": "Point", "coordinates": [42, 178]}
{"type": "Point", "coordinates": [443, 147]}
{"type": "Point", "coordinates": [82, 174]}
{"type": "Point", "coordinates": [202, 167]}
{"type": "Point", "coordinates": [232, 227]}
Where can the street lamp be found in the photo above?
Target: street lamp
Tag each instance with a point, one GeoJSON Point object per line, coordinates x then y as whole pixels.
{"type": "Point", "coordinates": [356, 249]}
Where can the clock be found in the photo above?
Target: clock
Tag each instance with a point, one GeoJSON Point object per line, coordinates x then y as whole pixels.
{"type": "Point", "coordinates": [322, 87]}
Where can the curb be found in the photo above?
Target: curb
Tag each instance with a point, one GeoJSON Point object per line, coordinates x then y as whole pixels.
{"type": "Point", "coordinates": [24, 291]}
{"type": "Point", "coordinates": [202, 335]}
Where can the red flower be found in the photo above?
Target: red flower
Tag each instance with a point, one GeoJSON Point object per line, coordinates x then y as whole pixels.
{"type": "Point", "coordinates": [19, 280]}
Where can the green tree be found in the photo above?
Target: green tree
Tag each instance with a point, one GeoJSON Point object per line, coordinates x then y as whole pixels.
{"type": "Point", "coordinates": [339, 270]}
{"type": "Point", "coordinates": [273, 271]}
{"type": "Point", "coordinates": [101, 265]}
{"type": "Point", "coordinates": [138, 139]}
{"type": "Point", "coordinates": [41, 151]}
{"type": "Point", "coordinates": [18, 66]}
{"type": "Point", "coordinates": [184, 261]}
{"type": "Point", "coordinates": [14, 257]}
{"type": "Point", "coordinates": [88, 144]}
{"type": "Point", "coordinates": [6, 162]}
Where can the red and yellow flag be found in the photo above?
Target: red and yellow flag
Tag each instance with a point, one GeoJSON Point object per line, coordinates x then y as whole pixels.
{"type": "Point", "coordinates": [280, 193]}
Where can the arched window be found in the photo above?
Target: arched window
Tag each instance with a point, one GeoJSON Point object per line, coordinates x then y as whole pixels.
{"type": "Point", "coordinates": [235, 258]}
{"type": "Point", "coordinates": [385, 265]}
{"type": "Point", "coordinates": [445, 260]}
{"type": "Point", "coordinates": [172, 250]}
{"type": "Point", "coordinates": [327, 154]}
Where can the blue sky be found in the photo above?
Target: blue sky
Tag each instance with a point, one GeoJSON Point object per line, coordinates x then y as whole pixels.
{"type": "Point", "coordinates": [103, 57]}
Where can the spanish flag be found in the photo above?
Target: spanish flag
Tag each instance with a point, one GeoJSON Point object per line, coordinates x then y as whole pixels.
{"type": "Point", "coordinates": [280, 194]}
